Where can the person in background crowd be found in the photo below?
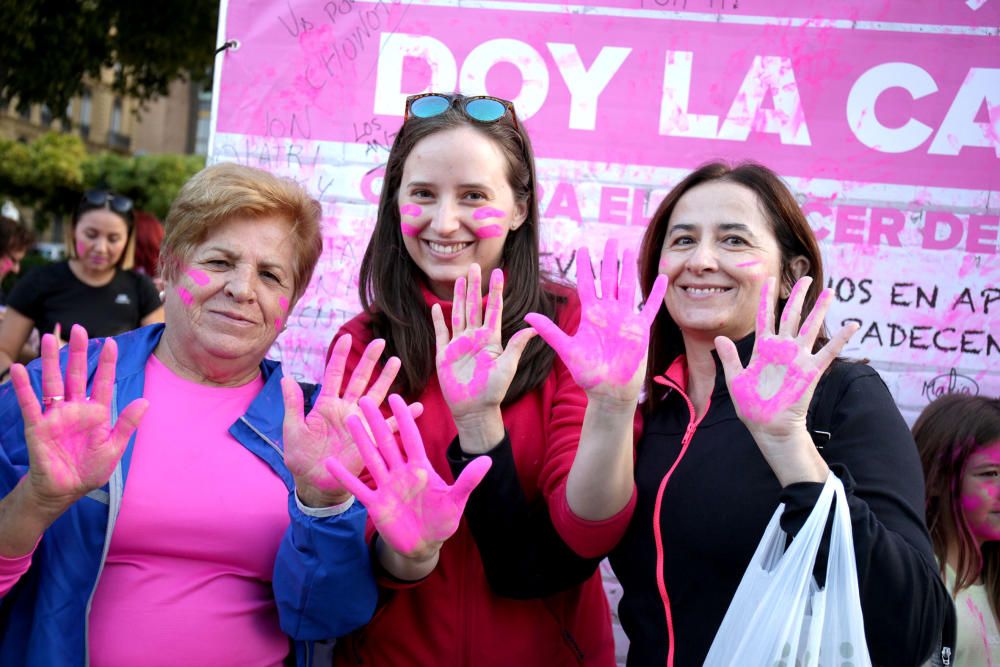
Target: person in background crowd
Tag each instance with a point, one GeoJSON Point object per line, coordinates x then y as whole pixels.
{"type": "Point", "coordinates": [94, 288]}
{"type": "Point", "coordinates": [959, 441]}
{"type": "Point", "coordinates": [192, 539]}
{"type": "Point", "coordinates": [148, 237]}
{"type": "Point", "coordinates": [15, 241]}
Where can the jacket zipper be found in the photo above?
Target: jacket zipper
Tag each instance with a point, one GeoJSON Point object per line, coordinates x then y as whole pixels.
{"type": "Point", "coordinates": [263, 437]}
{"type": "Point", "coordinates": [660, 582]}
{"type": "Point", "coordinates": [115, 489]}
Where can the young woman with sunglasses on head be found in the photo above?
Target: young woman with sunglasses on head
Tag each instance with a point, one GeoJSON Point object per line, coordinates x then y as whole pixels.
{"type": "Point", "coordinates": [959, 441]}
{"type": "Point", "coordinates": [93, 288]}
{"type": "Point", "coordinates": [449, 275]}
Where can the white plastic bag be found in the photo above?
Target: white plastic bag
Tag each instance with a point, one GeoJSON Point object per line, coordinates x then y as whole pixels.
{"type": "Point", "coordinates": [779, 617]}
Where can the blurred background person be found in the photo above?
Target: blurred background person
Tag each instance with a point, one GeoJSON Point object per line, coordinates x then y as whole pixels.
{"type": "Point", "coordinates": [959, 441]}
{"type": "Point", "coordinates": [148, 237]}
{"type": "Point", "coordinates": [94, 288]}
{"type": "Point", "coordinates": [15, 241]}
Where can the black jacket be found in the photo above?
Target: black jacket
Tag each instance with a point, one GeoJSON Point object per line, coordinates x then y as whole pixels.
{"type": "Point", "coordinates": [719, 499]}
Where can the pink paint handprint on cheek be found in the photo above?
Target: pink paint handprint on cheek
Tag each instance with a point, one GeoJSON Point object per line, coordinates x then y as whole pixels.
{"type": "Point", "coordinates": [488, 231]}
{"type": "Point", "coordinates": [283, 304]}
{"type": "Point", "coordinates": [488, 212]}
{"type": "Point", "coordinates": [185, 296]}
{"type": "Point", "coordinates": [409, 210]}
{"type": "Point", "coordinates": [199, 277]}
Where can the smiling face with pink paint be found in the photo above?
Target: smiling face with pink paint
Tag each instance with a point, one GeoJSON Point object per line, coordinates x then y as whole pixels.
{"type": "Point", "coordinates": [229, 302]}
{"type": "Point", "coordinates": [100, 237]}
{"type": "Point", "coordinates": [456, 206]}
{"type": "Point", "coordinates": [980, 498]}
{"type": "Point", "coordinates": [719, 250]}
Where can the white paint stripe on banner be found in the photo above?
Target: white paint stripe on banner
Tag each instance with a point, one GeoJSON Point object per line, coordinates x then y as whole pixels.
{"type": "Point", "coordinates": [735, 19]}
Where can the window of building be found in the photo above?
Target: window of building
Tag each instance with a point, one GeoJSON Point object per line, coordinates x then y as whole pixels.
{"type": "Point", "coordinates": [85, 113]}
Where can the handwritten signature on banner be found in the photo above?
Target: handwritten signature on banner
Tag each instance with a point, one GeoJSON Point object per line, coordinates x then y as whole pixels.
{"type": "Point", "coordinates": [951, 382]}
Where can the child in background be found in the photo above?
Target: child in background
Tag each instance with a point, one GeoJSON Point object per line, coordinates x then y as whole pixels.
{"type": "Point", "coordinates": [959, 441]}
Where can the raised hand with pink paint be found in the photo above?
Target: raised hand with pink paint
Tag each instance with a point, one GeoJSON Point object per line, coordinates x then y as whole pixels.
{"type": "Point", "coordinates": [772, 393]}
{"type": "Point", "coordinates": [311, 439]}
{"type": "Point", "coordinates": [72, 446]}
{"type": "Point", "coordinates": [414, 510]}
{"type": "Point", "coordinates": [607, 354]}
{"type": "Point", "coordinates": [473, 367]}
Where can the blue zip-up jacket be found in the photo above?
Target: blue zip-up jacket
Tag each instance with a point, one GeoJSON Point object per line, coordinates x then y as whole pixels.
{"type": "Point", "coordinates": [323, 583]}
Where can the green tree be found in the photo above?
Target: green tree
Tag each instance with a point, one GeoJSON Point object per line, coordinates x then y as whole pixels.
{"type": "Point", "coordinates": [51, 173]}
{"type": "Point", "coordinates": [49, 46]}
{"type": "Point", "coordinates": [151, 181]}
{"type": "Point", "coordinates": [46, 174]}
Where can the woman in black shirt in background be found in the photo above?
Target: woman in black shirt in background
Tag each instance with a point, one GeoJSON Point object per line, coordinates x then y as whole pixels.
{"type": "Point", "coordinates": [94, 287]}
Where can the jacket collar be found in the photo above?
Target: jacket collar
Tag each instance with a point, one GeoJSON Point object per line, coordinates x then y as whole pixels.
{"type": "Point", "coordinates": [266, 410]}
{"type": "Point", "coordinates": [676, 375]}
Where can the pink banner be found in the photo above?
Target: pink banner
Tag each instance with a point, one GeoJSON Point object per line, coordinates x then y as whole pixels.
{"type": "Point", "coordinates": [885, 118]}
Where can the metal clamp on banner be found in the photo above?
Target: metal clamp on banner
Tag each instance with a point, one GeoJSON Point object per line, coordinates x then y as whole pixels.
{"type": "Point", "coordinates": [233, 44]}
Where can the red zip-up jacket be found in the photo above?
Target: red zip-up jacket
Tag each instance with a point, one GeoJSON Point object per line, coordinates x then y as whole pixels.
{"type": "Point", "coordinates": [461, 615]}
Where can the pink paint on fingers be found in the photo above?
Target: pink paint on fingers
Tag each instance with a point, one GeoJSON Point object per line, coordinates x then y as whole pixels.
{"type": "Point", "coordinates": [185, 296]}
{"type": "Point", "coordinates": [488, 212]}
{"type": "Point", "coordinates": [824, 298]}
{"type": "Point", "coordinates": [763, 306]}
{"type": "Point", "coordinates": [409, 230]}
{"type": "Point", "coordinates": [773, 381]}
{"type": "Point", "coordinates": [489, 231]}
{"type": "Point", "coordinates": [412, 507]}
{"type": "Point", "coordinates": [199, 277]}
{"type": "Point", "coordinates": [798, 287]}
{"type": "Point", "coordinates": [494, 306]}
{"type": "Point", "coordinates": [410, 209]}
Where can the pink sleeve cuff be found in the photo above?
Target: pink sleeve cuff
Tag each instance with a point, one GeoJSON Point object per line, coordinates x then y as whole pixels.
{"type": "Point", "coordinates": [12, 569]}
{"type": "Point", "coordinates": [589, 539]}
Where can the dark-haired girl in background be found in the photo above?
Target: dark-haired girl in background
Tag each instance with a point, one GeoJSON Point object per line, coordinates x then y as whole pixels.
{"type": "Point", "coordinates": [959, 441]}
{"type": "Point", "coordinates": [94, 288]}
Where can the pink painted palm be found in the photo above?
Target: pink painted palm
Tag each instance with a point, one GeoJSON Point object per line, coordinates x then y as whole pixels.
{"type": "Point", "coordinates": [474, 369]}
{"type": "Point", "coordinates": [607, 354]}
{"type": "Point", "coordinates": [772, 393]}
{"type": "Point", "coordinates": [310, 439]}
{"type": "Point", "coordinates": [413, 509]}
{"type": "Point", "coordinates": [72, 446]}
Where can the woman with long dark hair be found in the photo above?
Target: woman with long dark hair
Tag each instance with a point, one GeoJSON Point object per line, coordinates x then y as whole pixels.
{"type": "Point", "coordinates": [458, 224]}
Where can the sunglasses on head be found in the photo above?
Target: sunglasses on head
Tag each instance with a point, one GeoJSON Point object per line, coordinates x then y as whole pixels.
{"type": "Point", "coordinates": [482, 108]}
{"type": "Point", "coordinates": [100, 198]}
